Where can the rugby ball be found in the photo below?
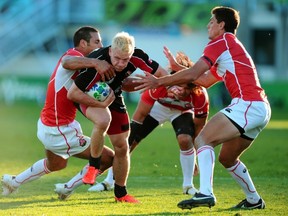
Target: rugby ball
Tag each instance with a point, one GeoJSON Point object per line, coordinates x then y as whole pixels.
{"type": "Point", "coordinates": [100, 91]}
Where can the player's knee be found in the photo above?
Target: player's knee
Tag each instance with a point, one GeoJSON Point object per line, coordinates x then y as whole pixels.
{"type": "Point", "coordinates": [134, 139]}
{"type": "Point", "coordinates": [102, 123]}
{"type": "Point", "coordinates": [134, 132]}
{"type": "Point", "coordinates": [121, 150]}
{"type": "Point", "coordinates": [185, 141]}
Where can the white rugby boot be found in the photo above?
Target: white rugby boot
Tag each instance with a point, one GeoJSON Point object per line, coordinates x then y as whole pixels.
{"type": "Point", "coordinates": [62, 191]}
{"type": "Point", "coordinates": [7, 185]}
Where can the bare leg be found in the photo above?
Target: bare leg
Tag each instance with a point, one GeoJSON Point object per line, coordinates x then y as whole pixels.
{"type": "Point", "coordinates": [121, 162]}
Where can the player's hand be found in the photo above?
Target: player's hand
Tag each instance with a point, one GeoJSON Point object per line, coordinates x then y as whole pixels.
{"type": "Point", "coordinates": [145, 82]}
{"type": "Point", "coordinates": [174, 65]}
{"type": "Point", "coordinates": [105, 69]}
{"type": "Point", "coordinates": [109, 100]}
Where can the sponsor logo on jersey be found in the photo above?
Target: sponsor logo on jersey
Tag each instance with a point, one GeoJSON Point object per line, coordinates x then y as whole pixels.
{"type": "Point", "coordinates": [82, 142]}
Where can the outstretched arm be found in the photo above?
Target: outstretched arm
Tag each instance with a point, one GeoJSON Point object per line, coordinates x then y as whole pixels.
{"type": "Point", "coordinates": [161, 72]}
{"type": "Point", "coordinates": [191, 74]}
{"type": "Point", "coordinates": [206, 80]}
{"type": "Point", "coordinates": [76, 63]}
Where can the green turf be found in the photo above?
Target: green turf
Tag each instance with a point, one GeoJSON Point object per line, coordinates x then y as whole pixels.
{"type": "Point", "coordinates": [155, 175]}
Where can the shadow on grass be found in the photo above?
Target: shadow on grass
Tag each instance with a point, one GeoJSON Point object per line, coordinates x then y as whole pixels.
{"type": "Point", "coordinates": [15, 203]}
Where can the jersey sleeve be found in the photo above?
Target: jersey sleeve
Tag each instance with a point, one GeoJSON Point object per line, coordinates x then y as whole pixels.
{"type": "Point", "coordinates": [214, 49]}
{"type": "Point", "coordinates": [141, 60]}
{"type": "Point", "coordinates": [146, 98]}
{"type": "Point", "coordinates": [73, 52]}
{"type": "Point", "coordinates": [213, 71]}
{"type": "Point", "coordinates": [86, 79]}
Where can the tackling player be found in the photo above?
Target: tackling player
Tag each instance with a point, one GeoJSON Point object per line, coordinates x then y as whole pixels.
{"type": "Point", "coordinates": [235, 126]}
{"type": "Point", "coordinates": [57, 129]}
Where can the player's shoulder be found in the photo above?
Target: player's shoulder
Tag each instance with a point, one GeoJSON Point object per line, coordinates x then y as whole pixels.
{"type": "Point", "coordinates": [138, 52]}
{"type": "Point", "coordinates": [99, 52]}
{"type": "Point", "coordinates": [141, 54]}
{"type": "Point", "coordinates": [73, 52]}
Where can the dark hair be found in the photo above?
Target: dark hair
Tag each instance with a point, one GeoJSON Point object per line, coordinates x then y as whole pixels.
{"type": "Point", "coordinates": [228, 15]}
{"type": "Point", "coordinates": [83, 33]}
{"type": "Point", "coordinates": [191, 85]}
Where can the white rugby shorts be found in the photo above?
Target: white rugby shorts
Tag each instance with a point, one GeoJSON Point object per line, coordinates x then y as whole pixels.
{"type": "Point", "coordinates": [65, 140]}
{"type": "Point", "coordinates": [251, 116]}
{"type": "Point", "coordinates": [162, 113]}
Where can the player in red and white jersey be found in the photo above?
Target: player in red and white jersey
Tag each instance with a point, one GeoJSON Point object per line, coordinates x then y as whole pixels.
{"type": "Point", "coordinates": [196, 99]}
{"type": "Point", "coordinates": [186, 107]}
{"type": "Point", "coordinates": [58, 130]}
{"type": "Point", "coordinates": [58, 110]}
{"type": "Point", "coordinates": [187, 113]}
{"type": "Point", "coordinates": [236, 126]}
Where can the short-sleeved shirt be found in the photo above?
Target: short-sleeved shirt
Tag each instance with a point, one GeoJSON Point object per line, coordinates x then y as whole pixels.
{"type": "Point", "coordinates": [198, 100]}
{"type": "Point", "coordinates": [58, 110]}
{"type": "Point", "coordinates": [88, 77]}
{"type": "Point", "coordinates": [230, 62]}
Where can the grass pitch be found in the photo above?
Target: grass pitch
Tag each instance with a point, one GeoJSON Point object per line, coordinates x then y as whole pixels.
{"type": "Point", "coordinates": [155, 176]}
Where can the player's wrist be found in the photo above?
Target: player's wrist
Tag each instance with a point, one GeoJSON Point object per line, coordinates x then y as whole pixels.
{"type": "Point", "coordinates": [96, 62]}
{"type": "Point", "coordinates": [162, 81]}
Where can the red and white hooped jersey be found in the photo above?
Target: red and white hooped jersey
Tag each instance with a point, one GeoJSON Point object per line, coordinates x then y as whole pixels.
{"type": "Point", "coordinates": [230, 62]}
{"type": "Point", "coordinates": [58, 110]}
{"type": "Point", "coordinates": [197, 101]}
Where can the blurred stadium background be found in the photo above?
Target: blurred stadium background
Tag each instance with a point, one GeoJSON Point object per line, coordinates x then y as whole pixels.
{"type": "Point", "coordinates": [35, 33]}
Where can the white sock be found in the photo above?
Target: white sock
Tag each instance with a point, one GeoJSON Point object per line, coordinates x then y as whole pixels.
{"type": "Point", "coordinates": [206, 161]}
{"type": "Point", "coordinates": [76, 181]}
{"type": "Point", "coordinates": [37, 170]}
{"type": "Point", "coordinates": [240, 173]}
{"type": "Point", "coordinates": [110, 178]}
{"type": "Point", "coordinates": [187, 160]}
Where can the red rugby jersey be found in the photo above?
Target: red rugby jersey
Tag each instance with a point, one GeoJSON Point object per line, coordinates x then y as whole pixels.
{"type": "Point", "coordinates": [199, 101]}
{"type": "Point", "coordinates": [58, 110]}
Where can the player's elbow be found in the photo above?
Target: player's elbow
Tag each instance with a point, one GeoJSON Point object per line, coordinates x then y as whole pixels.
{"type": "Point", "coordinates": [67, 63]}
{"type": "Point", "coordinates": [72, 95]}
{"type": "Point", "coordinates": [64, 63]}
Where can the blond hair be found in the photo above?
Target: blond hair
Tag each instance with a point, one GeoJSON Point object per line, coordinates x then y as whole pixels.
{"type": "Point", "coordinates": [123, 42]}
